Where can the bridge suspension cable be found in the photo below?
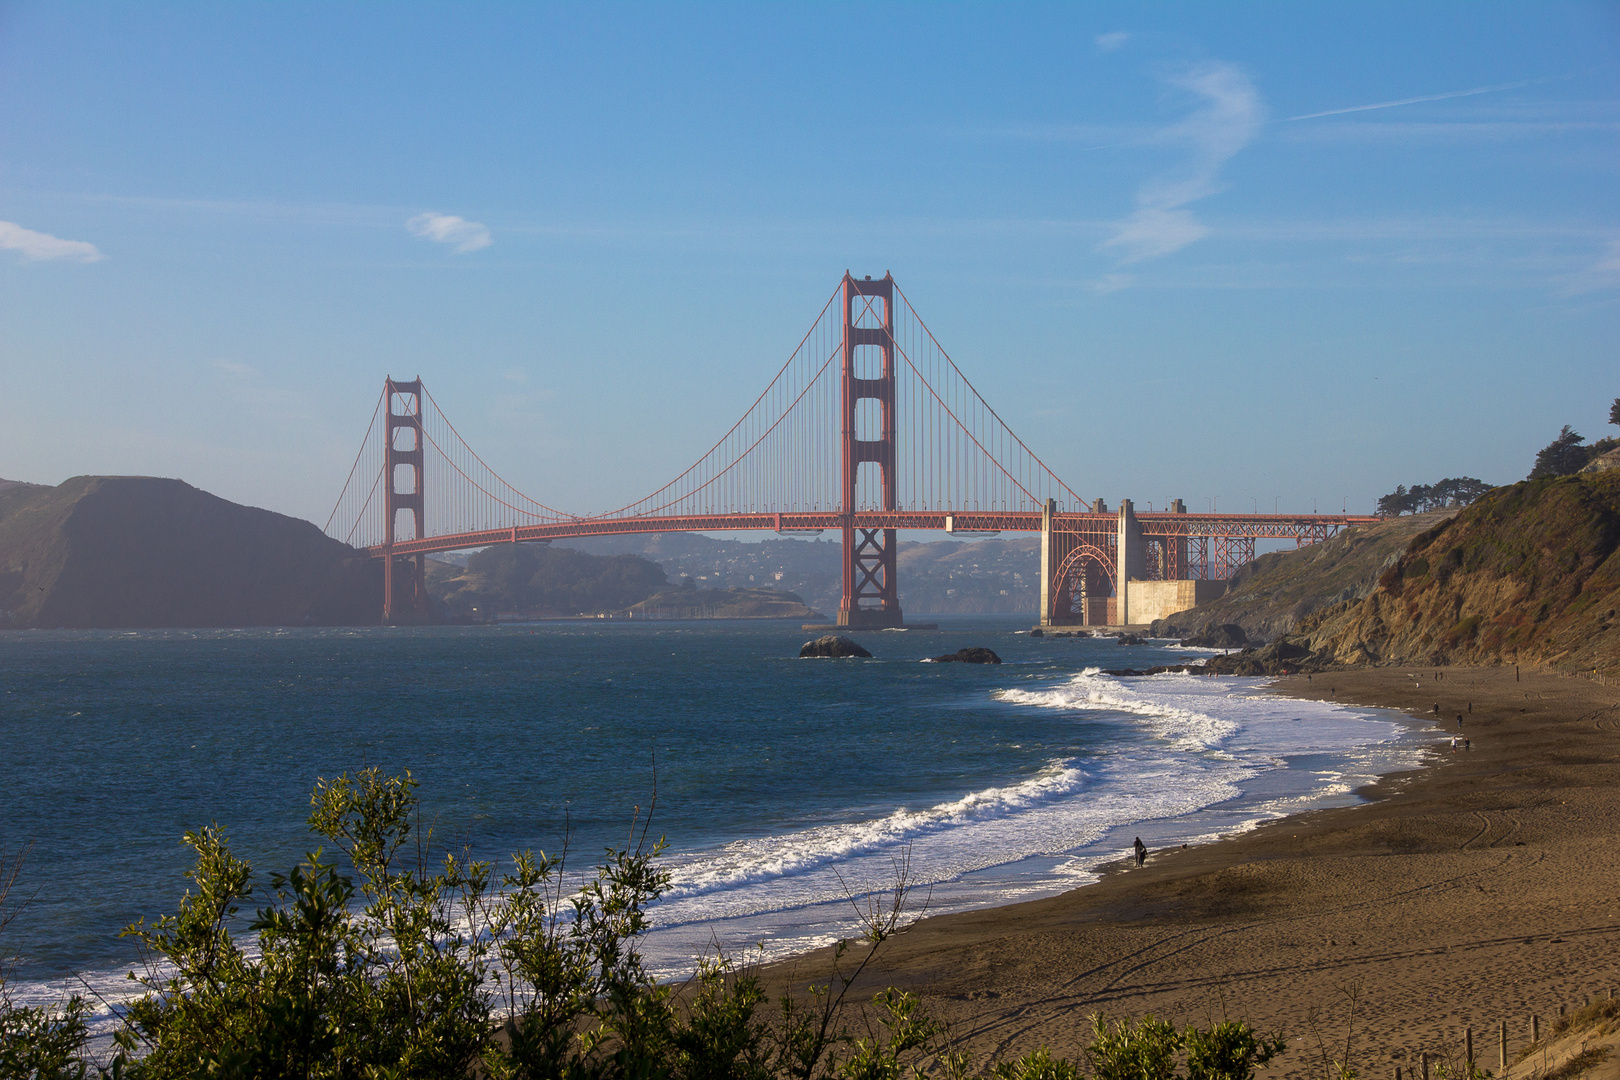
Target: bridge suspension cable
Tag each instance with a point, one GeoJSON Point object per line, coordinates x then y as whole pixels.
{"type": "Point", "coordinates": [461, 492]}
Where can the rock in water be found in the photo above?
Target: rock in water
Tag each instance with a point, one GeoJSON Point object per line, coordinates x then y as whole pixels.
{"type": "Point", "coordinates": [832, 645]}
{"type": "Point", "coordinates": [1222, 636]}
{"type": "Point", "coordinates": [1130, 639]}
{"type": "Point", "coordinates": [972, 655]}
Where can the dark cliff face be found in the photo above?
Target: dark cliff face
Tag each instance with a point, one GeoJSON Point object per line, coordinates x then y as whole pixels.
{"type": "Point", "coordinates": [102, 551]}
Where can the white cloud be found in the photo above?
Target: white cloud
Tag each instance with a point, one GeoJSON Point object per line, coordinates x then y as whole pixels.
{"type": "Point", "coordinates": [1230, 117]}
{"type": "Point", "coordinates": [464, 235]}
{"type": "Point", "coordinates": [1112, 283]}
{"type": "Point", "coordinates": [38, 246]}
{"type": "Point", "coordinates": [1112, 40]}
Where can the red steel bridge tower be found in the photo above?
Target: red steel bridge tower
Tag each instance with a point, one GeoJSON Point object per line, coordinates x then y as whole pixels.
{"type": "Point", "coordinates": [405, 596]}
{"type": "Point", "coordinates": [870, 597]}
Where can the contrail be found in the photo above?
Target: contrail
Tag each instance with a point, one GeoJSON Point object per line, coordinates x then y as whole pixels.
{"type": "Point", "coordinates": [1412, 100]}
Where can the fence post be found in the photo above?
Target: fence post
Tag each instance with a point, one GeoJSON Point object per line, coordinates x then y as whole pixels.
{"type": "Point", "coordinates": [1535, 1028]}
{"type": "Point", "coordinates": [1501, 1048]}
{"type": "Point", "coordinates": [1468, 1044]}
{"type": "Point", "coordinates": [1425, 1059]}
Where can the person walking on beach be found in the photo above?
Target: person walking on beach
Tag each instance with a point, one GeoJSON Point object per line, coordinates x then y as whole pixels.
{"type": "Point", "coordinates": [1141, 851]}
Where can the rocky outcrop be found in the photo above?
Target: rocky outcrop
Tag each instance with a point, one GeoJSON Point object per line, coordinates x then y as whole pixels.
{"type": "Point", "coordinates": [1609, 459]}
{"type": "Point", "coordinates": [1281, 657]}
{"type": "Point", "coordinates": [1269, 596]}
{"type": "Point", "coordinates": [832, 645]}
{"type": "Point", "coordinates": [1219, 636]}
{"type": "Point", "coordinates": [971, 655]}
{"type": "Point", "coordinates": [1130, 639]}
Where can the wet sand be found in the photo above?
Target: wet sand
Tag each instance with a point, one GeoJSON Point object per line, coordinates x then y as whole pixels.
{"type": "Point", "coordinates": [1483, 888]}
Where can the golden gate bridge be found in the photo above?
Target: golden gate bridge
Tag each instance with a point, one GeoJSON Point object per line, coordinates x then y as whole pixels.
{"type": "Point", "coordinates": [869, 428]}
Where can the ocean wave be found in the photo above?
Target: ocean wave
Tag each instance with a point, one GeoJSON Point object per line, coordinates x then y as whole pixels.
{"type": "Point", "coordinates": [1168, 715]}
{"type": "Point", "coordinates": [742, 863]}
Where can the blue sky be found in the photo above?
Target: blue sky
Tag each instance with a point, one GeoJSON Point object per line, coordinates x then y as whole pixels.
{"type": "Point", "coordinates": [1275, 254]}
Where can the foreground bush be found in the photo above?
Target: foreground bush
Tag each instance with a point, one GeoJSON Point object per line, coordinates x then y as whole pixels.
{"type": "Point", "coordinates": [379, 966]}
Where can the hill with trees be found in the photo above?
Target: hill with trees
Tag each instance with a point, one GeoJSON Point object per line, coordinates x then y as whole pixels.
{"type": "Point", "coordinates": [533, 580]}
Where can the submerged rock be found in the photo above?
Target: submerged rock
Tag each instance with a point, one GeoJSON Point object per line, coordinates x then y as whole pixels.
{"type": "Point", "coordinates": [971, 655]}
{"type": "Point", "coordinates": [833, 645]}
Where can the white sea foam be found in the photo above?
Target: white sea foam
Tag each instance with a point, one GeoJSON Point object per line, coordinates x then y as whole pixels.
{"type": "Point", "coordinates": [1209, 757]}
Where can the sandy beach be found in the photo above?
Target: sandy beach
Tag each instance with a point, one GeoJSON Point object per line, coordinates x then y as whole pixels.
{"type": "Point", "coordinates": [1483, 888]}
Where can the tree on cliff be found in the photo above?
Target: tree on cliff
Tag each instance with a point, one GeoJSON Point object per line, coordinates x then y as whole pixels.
{"type": "Point", "coordinates": [1614, 412]}
{"type": "Point", "coordinates": [1562, 456]}
{"type": "Point", "coordinates": [1452, 491]}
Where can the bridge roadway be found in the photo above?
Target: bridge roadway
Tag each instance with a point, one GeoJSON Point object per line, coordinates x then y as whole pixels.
{"type": "Point", "coordinates": [1302, 528]}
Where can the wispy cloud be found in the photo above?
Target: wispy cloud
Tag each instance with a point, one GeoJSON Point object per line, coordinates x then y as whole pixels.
{"type": "Point", "coordinates": [40, 247]}
{"type": "Point", "coordinates": [1447, 96]}
{"type": "Point", "coordinates": [1230, 117]}
{"type": "Point", "coordinates": [1610, 262]}
{"type": "Point", "coordinates": [458, 232]}
{"type": "Point", "coordinates": [1113, 40]}
{"type": "Point", "coordinates": [237, 368]}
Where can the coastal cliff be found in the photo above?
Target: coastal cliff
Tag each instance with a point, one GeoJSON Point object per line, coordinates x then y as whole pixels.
{"type": "Point", "coordinates": [1528, 574]}
{"type": "Point", "coordinates": [140, 551]}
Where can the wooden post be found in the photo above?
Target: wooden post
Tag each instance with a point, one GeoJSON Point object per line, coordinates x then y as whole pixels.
{"type": "Point", "coordinates": [1425, 1059]}
{"type": "Point", "coordinates": [1535, 1028]}
{"type": "Point", "coordinates": [1501, 1048]}
{"type": "Point", "coordinates": [1468, 1045]}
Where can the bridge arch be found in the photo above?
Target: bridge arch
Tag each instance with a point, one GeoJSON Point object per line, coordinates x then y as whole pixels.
{"type": "Point", "coordinates": [1080, 578]}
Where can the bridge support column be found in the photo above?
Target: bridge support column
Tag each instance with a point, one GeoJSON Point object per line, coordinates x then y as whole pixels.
{"type": "Point", "coordinates": [1130, 560]}
{"type": "Point", "coordinates": [871, 595]}
{"type": "Point", "coordinates": [404, 578]}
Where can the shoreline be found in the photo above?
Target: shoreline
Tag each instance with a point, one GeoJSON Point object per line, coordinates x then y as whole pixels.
{"type": "Point", "coordinates": [1481, 888]}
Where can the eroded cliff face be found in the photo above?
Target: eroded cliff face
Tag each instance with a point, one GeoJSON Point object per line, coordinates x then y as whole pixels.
{"type": "Point", "coordinates": [1529, 574]}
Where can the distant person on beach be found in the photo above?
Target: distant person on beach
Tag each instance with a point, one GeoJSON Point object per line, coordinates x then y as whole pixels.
{"type": "Point", "coordinates": [1141, 851]}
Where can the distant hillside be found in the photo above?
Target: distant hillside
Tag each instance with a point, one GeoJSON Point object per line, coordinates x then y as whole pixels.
{"type": "Point", "coordinates": [689, 602]}
{"type": "Point", "coordinates": [530, 580]}
{"type": "Point", "coordinates": [1528, 574]}
{"type": "Point", "coordinates": [136, 551]}
{"type": "Point", "coordinates": [944, 576]}
{"type": "Point", "coordinates": [1270, 595]}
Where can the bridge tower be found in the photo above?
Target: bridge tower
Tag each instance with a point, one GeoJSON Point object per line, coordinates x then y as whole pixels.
{"type": "Point", "coordinates": [870, 595]}
{"type": "Point", "coordinates": [404, 577]}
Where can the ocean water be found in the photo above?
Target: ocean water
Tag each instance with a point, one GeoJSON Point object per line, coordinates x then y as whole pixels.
{"type": "Point", "coordinates": [783, 786]}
